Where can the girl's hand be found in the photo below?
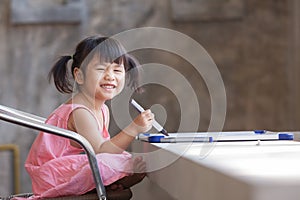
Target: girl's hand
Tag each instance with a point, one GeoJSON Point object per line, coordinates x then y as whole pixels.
{"type": "Point", "coordinates": [139, 165]}
{"type": "Point", "coordinates": [141, 124]}
{"type": "Point", "coordinates": [144, 121]}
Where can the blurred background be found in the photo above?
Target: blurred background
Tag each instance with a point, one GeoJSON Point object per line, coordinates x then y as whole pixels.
{"type": "Point", "coordinates": [254, 43]}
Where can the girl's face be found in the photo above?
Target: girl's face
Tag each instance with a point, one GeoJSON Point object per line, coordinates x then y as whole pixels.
{"type": "Point", "coordinates": [103, 81]}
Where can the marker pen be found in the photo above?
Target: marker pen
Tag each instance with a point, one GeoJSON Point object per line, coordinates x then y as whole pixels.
{"type": "Point", "coordinates": [155, 124]}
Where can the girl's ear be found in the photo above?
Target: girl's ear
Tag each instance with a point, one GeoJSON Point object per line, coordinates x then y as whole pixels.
{"type": "Point", "coordinates": [78, 76]}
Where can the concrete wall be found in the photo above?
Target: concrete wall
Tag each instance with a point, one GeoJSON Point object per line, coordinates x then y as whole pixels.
{"type": "Point", "coordinates": [254, 43]}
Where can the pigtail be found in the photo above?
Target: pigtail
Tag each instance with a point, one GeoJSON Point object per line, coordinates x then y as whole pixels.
{"type": "Point", "coordinates": [132, 68]}
{"type": "Point", "coordinates": [59, 71]}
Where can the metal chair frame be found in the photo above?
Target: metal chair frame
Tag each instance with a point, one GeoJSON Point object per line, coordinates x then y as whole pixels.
{"type": "Point", "coordinates": [38, 123]}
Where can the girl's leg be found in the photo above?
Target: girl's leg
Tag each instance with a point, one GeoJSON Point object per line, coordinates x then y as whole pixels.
{"type": "Point", "coordinates": [139, 168]}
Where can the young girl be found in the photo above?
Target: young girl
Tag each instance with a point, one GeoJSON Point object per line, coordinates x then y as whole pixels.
{"type": "Point", "coordinates": [57, 166]}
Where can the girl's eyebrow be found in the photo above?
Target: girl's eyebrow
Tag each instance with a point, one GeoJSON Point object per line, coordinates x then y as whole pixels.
{"type": "Point", "coordinates": [103, 64]}
{"type": "Point", "coordinates": [117, 64]}
{"type": "Point", "coordinates": [99, 65]}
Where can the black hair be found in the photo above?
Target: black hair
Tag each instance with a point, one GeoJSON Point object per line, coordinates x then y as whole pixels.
{"type": "Point", "coordinates": [108, 50]}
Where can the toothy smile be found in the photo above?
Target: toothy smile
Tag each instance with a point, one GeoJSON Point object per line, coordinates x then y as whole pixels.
{"type": "Point", "coordinates": [108, 86]}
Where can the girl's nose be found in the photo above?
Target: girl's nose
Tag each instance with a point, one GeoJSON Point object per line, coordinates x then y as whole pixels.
{"type": "Point", "coordinates": [109, 75]}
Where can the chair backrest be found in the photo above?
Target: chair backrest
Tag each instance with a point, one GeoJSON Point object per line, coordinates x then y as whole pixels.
{"type": "Point", "coordinates": [35, 122]}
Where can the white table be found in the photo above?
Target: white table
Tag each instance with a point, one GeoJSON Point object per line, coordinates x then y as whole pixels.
{"type": "Point", "coordinates": [225, 170]}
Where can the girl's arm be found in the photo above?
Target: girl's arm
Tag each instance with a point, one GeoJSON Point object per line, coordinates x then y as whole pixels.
{"type": "Point", "coordinates": [85, 124]}
{"type": "Point", "coordinates": [120, 142]}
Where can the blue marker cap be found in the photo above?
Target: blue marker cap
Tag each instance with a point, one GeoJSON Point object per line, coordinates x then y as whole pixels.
{"type": "Point", "coordinates": [260, 131]}
{"type": "Point", "coordinates": [155, 139]}
{"type": "Point", "coordinates": [285, 136]}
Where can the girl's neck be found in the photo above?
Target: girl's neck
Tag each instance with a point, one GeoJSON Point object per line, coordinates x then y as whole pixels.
{"type": "Point", "coordinates": [88, 101]}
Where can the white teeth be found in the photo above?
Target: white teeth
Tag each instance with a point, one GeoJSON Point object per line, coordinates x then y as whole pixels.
{"type": "Point", "coordinates": [108, 86]}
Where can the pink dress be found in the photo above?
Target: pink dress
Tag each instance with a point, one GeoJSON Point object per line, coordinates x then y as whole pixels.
{"type": "Point", "coordinates": [57, 168]}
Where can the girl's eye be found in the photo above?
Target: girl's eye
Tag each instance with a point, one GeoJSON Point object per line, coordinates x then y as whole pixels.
{"type": "Point", "coordinates": [118, 70]}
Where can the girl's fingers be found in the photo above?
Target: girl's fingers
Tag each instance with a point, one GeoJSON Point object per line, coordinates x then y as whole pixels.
{"type": "Point", "coordinates": [137, 160]}
{"type": "Point", "coordinates": [139, 165]}
{"type": "Point", "coordinates": [148, 115]}
{"type": "Point", "coordinates": [143, 122]}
